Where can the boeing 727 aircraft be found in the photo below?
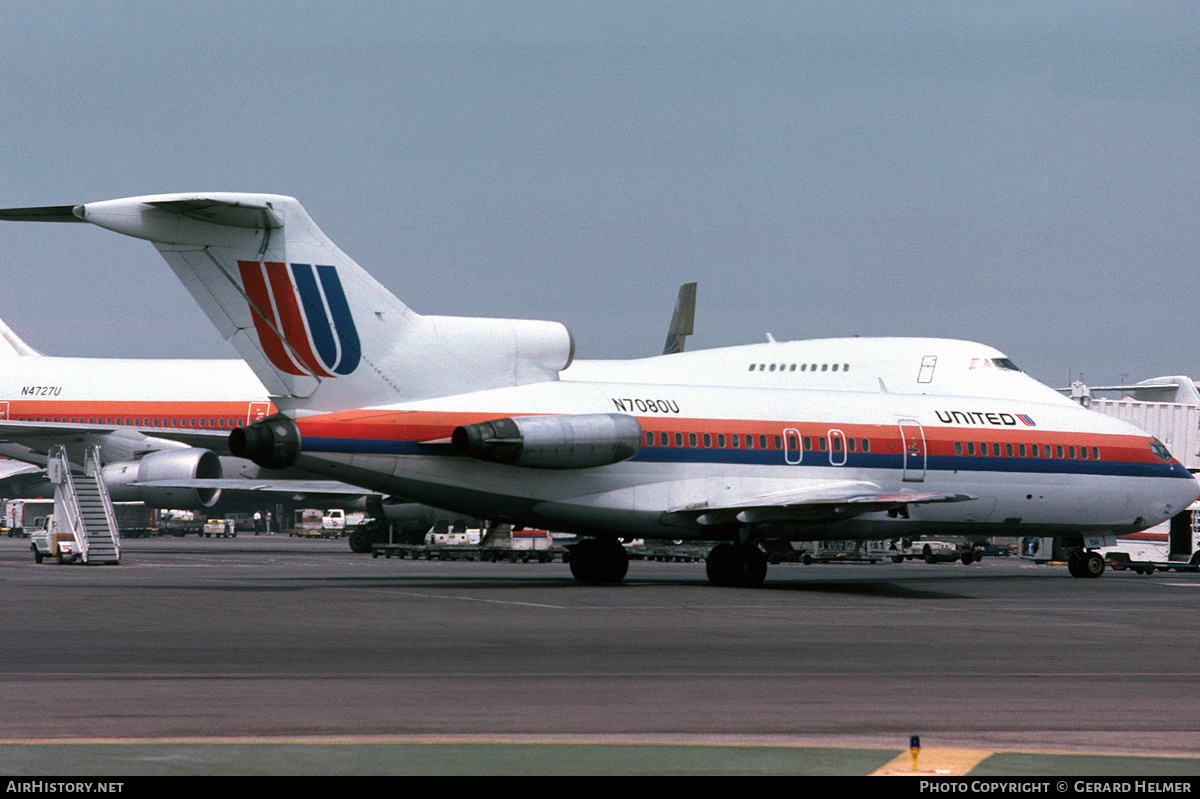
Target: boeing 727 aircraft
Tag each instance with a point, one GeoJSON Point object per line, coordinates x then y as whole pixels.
{"type": "Point", "coordinates": [753, 446]}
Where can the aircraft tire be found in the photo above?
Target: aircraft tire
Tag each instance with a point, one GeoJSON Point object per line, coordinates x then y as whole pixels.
{"type": "Point", "coordinates": [596, 562]}
{"type": "Point", "coordinates": [736, 565]}
{"type": "Point", "coordinates": [1092, 564]}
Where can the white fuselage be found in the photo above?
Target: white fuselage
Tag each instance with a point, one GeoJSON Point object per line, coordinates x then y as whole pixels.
{"type": "Point", "coordinates": [728, 432]}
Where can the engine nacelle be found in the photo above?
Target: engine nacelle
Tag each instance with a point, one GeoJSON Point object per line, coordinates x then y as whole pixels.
{"type": "Point", "coordinates": [273, 442]}
{"type": "Point", "coordinates": [121, 479]}
{"type": "Point", "coordinates": [551, 442]}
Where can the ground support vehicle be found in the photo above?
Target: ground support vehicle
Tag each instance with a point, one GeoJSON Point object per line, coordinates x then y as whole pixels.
{"type": "Point", "coordinates": [20, 514]}
{"type": "Point", "coordinates": [500, 544]}
{"type": "Point", "coordinates": [1120, 561]}
{"type": "Point", "coordinates": [219, 528]}
{"type": "Point", "coordinates": [939, 551]}
{"type": "Point", "coordinates": [808, 552]}
{"type": "Point", "coordinates": [47, 541]}
{"type": "Point", "coordinates": [668, 551]}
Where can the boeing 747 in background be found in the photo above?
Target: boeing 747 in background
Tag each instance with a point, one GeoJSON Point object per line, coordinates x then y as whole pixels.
{"type": "Point", "coordinates": [753, 446]}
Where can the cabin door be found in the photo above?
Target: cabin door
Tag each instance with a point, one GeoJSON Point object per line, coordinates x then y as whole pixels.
{"type": "Point", "coordinates": [913, 446]}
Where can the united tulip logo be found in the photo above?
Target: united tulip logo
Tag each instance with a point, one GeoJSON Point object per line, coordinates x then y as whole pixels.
{"type": "Point", "coordinates": [301, 317]}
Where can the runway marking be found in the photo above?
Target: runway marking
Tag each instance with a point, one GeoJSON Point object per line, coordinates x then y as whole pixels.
{"type": "Point", "coordinates": [935, 761]}
{"type": "Point", "coordinates": [465, 598]}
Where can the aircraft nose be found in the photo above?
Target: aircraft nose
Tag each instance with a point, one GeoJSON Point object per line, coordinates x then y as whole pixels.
{"type": "Point", "coordinates": [1182, 493]}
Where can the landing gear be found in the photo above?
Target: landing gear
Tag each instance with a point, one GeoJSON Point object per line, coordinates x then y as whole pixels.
{"type": "Point", "coordinates": [737, 565]}
{"type": "Point", "coordinates": [599, 561]}
{"type": "Point", "coordinates": [1082, 563]}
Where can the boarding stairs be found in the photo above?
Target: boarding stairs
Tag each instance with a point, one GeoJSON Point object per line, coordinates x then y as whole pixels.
{"type": "Point", "coordinates": [82, 507]}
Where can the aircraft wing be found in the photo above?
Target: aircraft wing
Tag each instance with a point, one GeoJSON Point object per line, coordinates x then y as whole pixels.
{"type": "Point", "coordinates": [816, 502]}
{"type": "Point", "coordinates": [305, 488]}
{"type": "Point", "coordinates": [37, 434]}
{"type": "Point", "coordinates": [11, 468]}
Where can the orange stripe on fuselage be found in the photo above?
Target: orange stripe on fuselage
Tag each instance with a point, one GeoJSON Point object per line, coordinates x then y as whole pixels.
{"type": "Point", "coordinates": [415, 426]}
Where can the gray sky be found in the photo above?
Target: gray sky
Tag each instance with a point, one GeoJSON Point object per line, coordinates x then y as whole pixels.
{"type": "Point", "coordinates": [1021, 174]}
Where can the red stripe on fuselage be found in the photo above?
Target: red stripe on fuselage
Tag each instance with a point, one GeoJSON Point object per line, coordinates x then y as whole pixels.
{"type": "Point", "coordinates": [417, 426]}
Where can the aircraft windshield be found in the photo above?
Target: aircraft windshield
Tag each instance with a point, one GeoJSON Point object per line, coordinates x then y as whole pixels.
{"type": "Point", "coordinates": [1159, 450]}
{"type": "Point", "coordinates": [994, 363]}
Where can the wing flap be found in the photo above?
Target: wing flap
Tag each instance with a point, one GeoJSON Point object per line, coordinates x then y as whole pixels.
{"type": "Point", "coordinates": [814, 502]}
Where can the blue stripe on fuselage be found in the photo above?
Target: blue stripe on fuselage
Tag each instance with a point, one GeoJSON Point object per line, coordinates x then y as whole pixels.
{"type": "Point", "coordinates": [775, 457]}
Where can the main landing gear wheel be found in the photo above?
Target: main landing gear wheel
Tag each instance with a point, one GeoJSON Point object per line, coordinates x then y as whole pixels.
{"type": "Point", "coordinates": [599, 561]}
{"type": "Point", "coordinates": [736, 565]}
{"type": "Point", "coordinates": [1085, 564]}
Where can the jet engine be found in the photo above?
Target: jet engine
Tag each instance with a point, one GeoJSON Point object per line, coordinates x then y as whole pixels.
{"type": "Point", "coordinates": [121, 479]}
{"type": "Point", "coordinates": [273, 442]}
{"type": "Point", "coordinates": [551, 442]}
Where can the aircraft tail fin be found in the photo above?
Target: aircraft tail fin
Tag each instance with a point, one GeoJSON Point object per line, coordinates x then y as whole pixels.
{"type": "Point", "coordinates": [682, 320]}
{"type": "Point", "coordinates": [316, 328]}
{"type": "Point", "coordinates": [11, 343]}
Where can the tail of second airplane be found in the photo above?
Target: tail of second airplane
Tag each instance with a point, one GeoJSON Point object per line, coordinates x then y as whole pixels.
{"type": "Point", "coordinates": [317, 329]}
{"type": "Point", "coordinates": [11, 343]}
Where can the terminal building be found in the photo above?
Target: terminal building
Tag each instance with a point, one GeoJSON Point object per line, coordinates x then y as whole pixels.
{"type": "Point", "coordinates": [1169, 409]}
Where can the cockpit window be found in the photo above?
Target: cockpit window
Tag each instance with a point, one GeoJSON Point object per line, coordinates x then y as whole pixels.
{"type": "Point", "coordinates": [994, 363]}
{"type": "Point", "coordinates": [1159, 450]}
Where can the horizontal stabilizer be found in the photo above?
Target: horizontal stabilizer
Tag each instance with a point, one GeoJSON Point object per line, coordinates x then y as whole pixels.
{"type": "Point", "coordinates": [45, 213]}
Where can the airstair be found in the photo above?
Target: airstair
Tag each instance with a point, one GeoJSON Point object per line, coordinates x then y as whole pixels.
{"type": "Point", "coordinates": [83, 509]}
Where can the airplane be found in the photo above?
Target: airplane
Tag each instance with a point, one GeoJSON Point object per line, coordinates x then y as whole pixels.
{"type": "Point", "coordinates": [751, 446]}
{"type": "Point", "coordinates": [162, 428]}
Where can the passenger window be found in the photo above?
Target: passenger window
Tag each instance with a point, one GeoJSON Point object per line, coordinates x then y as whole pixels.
{"type": "Point", "coordinates": [808, 443]}
{"type": "Point", "coordinates": [707, 440]}
{"type": "Point", "coordinates": [1021, 450]}
{"type": "Point", "coordinates": [679, 439]}
{"type": "Point", "coordinates": [778, 442]}
{"type": "Point", "coordinates": [970, 447]}
{"type": "Point", "coordinates": [721, 440]}
{"type": "Point", "coordinates": [1058, 453]}
{"type": "Point", "coordinates": [821, 443]}
{"type": "Point", "coordinates": [663, 439]}
{"type": "Point", "coordinates": [1095, 453]}
{"type": "Point", "coordinates": [851, 444]}
{"type": "Point", "coordinates": [1008, 450]}
{"type": "Point", "coordinates": [866, 445]}
{"type": "Point", "coordinates": [762, 442]}
{"type": "Point", "coordinates": [957, 447]}
{"type": "Point", "coordinates": [691, 439]}
{"type": "Point", "coordinates": [1071, 452]}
